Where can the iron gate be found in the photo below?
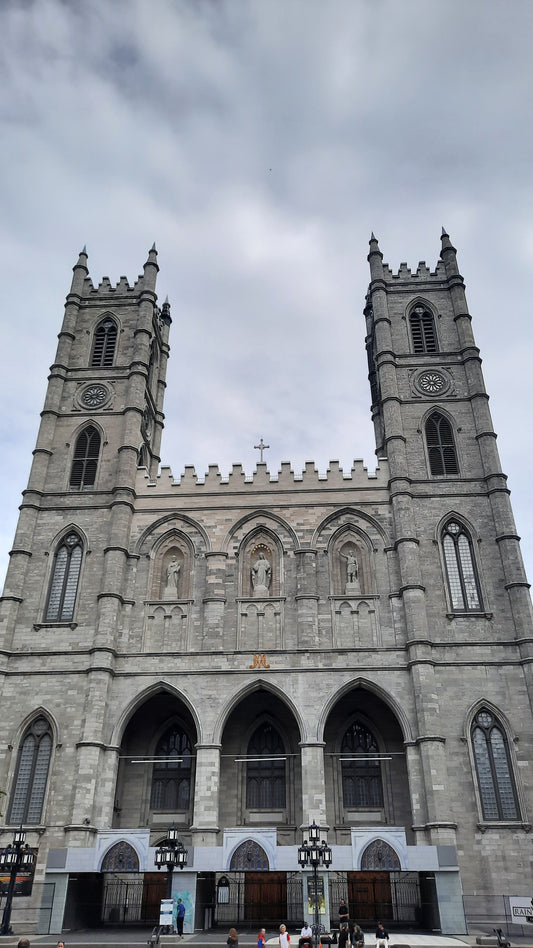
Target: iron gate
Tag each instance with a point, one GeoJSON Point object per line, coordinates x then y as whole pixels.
{"type": "Point", "coordinates": [259, 899]}
{"type": "Point", "coordinates": [391, 897]}
{"type": "Point", "coordinates": [132, 902]}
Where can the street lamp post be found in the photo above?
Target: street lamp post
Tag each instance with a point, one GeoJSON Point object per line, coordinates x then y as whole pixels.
{"type": "Point", "coordinates": [14, 857]}
{"type": "Point", "coordinates": [171, 853]}
{"type": "Point", "coordinates": [314, 853]}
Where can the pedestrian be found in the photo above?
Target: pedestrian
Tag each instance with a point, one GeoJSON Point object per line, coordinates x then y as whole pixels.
{"type": "Point", "coordinates": [306, 936]}
{"type": "Point", "coordinates": [261, 939]}
{"type": "Point", "coordinates": [344, 936]}
{"type": "Point", "coordinates": [233, 938]}
{"type": "Point", "coordinates": [344, 913]}
{"type": "Point", "coordinates": [180, 917]}
{"type": "Point", "coordinates": [23, 943]}
{"type": "Point", "coordinates": [284, 937]}
{"type": "Point", "coordinates": [357, 936]}
{"type": "Point", "coordinates": [61, 944]}
{"type": "Point", "coordinates": [382, 936]}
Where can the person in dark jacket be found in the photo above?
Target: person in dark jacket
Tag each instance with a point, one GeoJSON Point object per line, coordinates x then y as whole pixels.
{"type": "Point", "coordinates": [382, 936]}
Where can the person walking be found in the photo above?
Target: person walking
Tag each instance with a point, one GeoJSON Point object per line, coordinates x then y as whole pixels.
{"type": "Point", "coordinates": [382, 936]}
{"type": "Point", "coordinates": [261, 939]}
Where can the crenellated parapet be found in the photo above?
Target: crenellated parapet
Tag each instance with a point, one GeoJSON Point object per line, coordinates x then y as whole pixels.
{"type": "Point", "coordinates": [422, 273]}
{"type": "Point", "coordinates": [286, 478]}
{"type": "Point", "coordinates": [107, 290]}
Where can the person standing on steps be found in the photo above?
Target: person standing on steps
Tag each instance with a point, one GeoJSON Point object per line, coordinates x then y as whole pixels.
{"type": "Point", "coordinates": [180, 917]}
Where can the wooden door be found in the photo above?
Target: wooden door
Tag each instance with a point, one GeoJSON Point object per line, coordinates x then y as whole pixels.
{"type": "Point", "coordinates": [369, 897]}
{"type": "Point", "coordinates": [265, 898]}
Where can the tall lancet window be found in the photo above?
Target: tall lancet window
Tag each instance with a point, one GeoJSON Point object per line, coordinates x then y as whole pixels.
{"type": "Point", "coordinates": [265, 770]}
{"type": "Point", "coordinates": [32, 773]}
{"type": "Point", "coordinates": [85, 460]}
{"type": "Point", "coordinates": [65, 578]}
{"type": "Point", "coordinates": [423, 332]}
{"type": "Point", "coordinates": [493, 765]}
{"type": "Point", "coordinates": [441, 446]}
{"type": "Point", "coordinates": [463, 583]}
{"type": "Point", "coordinates": [104, 344]}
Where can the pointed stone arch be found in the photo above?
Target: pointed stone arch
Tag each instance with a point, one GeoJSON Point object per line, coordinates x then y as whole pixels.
{"type": "Point", "coordinates": [121, 857]}
{"type": "Point", "coordinates": [380, 855]}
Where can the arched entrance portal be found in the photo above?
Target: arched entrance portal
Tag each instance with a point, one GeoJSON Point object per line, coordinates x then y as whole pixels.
{"type": "Point", "coordinates": [367, 793]}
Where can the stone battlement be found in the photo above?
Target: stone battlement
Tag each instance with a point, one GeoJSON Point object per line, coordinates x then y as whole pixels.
{"type": "Point", "coordinates": [423, 272]}
{"type": "Point", "coordinates": [237, 480]}
{"type": "Point", "coordinates": [106, 289]}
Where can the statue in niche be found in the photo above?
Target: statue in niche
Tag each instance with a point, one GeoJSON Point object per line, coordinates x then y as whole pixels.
{"type": "Point", "coordinates": [353, 585]}
{"type": "Point", "coordinates": [173, 571]}
{"type": "Point", "coordinates": [261, 575]}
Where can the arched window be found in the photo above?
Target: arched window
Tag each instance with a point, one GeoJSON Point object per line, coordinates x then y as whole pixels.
{"type": "Point", "coordinates": [65, 578]}
{"type": "Point", "coordinates": [362, 785]}
{"type": "Point", "coordinates": [32, 773]}
{"type": "Point", "coordinates": [265, 771]}
{"type": "Point", "coordinates": [120, 858]}
{"type": "Point", "coordinates": [380, 855]}
{"type": "Point", "coordinates": [440, 444]}
{"type": "Point", "coordinates": [249, 855]}
{"type": "Point", "coordinates": [104, 344]}
{"type": "Point", "coordinates": [493, 766]}
{"type": "Point", "coordinates": [85, 460]}
{"type": "Point", "coordinates": [171, 776]}
{"type": "Point", "coordinates": [463, 584]}
{"type": "Point", "coordinates": [423, 330]}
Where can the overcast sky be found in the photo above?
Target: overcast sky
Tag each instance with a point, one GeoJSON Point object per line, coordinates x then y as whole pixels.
{"type": "Point", "coordinates": [259, 144]}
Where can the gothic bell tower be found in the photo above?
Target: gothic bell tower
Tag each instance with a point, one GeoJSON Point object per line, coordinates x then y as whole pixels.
{"type": "Point", "coordinates": [102, 419]}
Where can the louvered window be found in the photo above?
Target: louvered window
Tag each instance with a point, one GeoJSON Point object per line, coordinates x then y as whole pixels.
{"type": "Point", "coordinates": [65, 578]}
{"type": "Point", "coordinates": [423, 332]}
{"type": "Point", "coordinates": [104, 345]}
{"type": "Point", "coordinates": [440, 445]}
{"type": "Point", "coordinates": [171, 775]}
{"type": "Point", "coordinates": [462, 579]}
{"type": "Point", "coordinates": [32, 773]}
{"type": "Point", "coordinates": [85, 460]}
{"type": "Point", "coordinates": [362, 785]}
{"type": "Point", "coordinates": [493, 766]}
{"type": "Point", "coordinates": [265, 772]}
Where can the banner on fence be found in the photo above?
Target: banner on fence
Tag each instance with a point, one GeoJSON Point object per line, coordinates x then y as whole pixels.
{"type": "Point", "coordinates": [521, 909]}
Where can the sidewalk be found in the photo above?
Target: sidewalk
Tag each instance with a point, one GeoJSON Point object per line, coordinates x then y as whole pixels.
{"type": "Point", "coordinates": [216, 938]}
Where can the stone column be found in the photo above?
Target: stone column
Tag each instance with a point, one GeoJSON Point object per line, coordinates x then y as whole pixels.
{"type": "Point", "coordinates": [206, 795]}
{"type": "Point", "coordinates": [307, 599]}
{"type": "Point", "coordinates": [313, 783]}
{"type": "Point", "coordinates": [214, 601]}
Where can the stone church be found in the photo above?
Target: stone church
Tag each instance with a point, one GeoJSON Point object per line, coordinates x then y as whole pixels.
{"type": "Point", "coordinates": [239, 657]}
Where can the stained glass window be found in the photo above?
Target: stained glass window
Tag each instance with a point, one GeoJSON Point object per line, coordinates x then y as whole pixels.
{"type": "Point", "coordinates": [171, 775]}
{"type": "Point", "coordinates": [32, 773]}
{"type": "Point", "coordinates": [462, 579]}
{"type": "Point", "coordinates": [494, 773]}
{"type": "Point", "coordinates": [361, 772]}
{"type": "Point", "coordinates": [64, 581]}
{"type": "Point", "coordinates": [265, 778]}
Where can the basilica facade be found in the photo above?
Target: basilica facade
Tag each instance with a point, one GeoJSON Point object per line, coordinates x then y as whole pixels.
{"type": "Point", "coordinates": [239, 657]}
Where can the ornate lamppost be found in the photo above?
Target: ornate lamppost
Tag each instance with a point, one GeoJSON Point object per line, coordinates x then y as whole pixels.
{"type": "Point", "coordinates": [12, 858]}
{"type": "Point", "coordinates": [171, 853]}
{"type": "Point", "coordinates": [314, 854]}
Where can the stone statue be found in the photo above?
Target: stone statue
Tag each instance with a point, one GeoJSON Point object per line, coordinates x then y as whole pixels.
{"type": "Point", "coordinates": [171, 588]}
{"type": "Point", "coordinates": [261, 575]}
{"type": "Point", "coordinates": [352, 572]}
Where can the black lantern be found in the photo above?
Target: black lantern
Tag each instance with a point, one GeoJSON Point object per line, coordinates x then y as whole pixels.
{"type": "Point", "coordinates": [12, 858]}
{"type": "Point", "coordinates": [314, 854]}
{"type": "Point", "coordinates": [169, 854]}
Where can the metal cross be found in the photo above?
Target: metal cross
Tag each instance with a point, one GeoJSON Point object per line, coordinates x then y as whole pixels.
{"type": "Point", "coordinates": [261, 447]}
